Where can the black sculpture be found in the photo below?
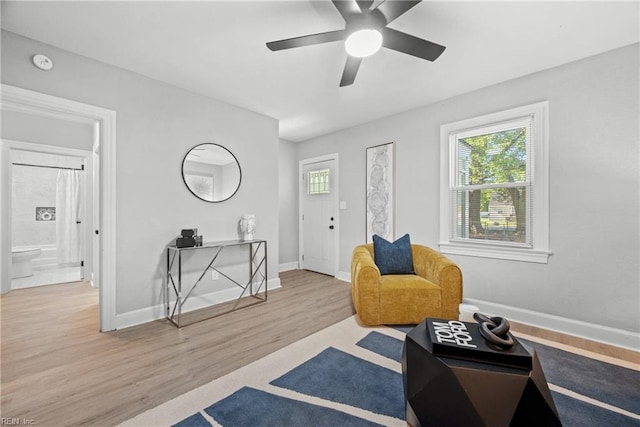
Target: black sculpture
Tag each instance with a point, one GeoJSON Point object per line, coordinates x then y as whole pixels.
{"type": "Point", "coordinates": [495, 330]}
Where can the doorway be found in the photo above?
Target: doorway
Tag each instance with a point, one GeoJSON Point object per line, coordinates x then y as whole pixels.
{"type": "Point", "coordinates": [103, 123]}
{"type": "Point", "coordinates": [51, 202]}
{"type": "Point", "coordinates": [318, 226]}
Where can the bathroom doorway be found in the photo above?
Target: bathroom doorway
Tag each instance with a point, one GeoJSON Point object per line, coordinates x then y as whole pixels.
{"type": "Point", "coordinates": [51, 215]}
{"type": "Point", "coordinates": [18, 104]}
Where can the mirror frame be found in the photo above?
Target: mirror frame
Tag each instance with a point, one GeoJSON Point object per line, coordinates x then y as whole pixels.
{"type": "Point", "coordinates": [234, 158]}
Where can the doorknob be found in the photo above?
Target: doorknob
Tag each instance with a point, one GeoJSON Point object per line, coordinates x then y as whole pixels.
{"type": "Point", "coordinates": [331, 227]}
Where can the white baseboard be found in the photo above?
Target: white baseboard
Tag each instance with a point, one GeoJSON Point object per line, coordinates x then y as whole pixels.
{"type": "Point", "coordinates": [344, 276]}
{"type": "Point", "coordinates": [156, 312]}
{"type": "Point", "coordinates": [591, 331]}
{"type": "Point", "coordinates": [288, 266]}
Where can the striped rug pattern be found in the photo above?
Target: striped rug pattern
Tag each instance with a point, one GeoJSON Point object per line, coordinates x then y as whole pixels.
{"type": "Point", "coordinates": [350, 375]}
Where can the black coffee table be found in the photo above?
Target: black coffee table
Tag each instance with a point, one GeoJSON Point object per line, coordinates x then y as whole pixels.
{"type": "Point", "coordinates": [468, 387]}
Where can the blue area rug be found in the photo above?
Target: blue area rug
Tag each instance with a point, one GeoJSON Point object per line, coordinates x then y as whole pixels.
{"type": "Point", "coordinates": [598, 380]}
{"type": "Point", "coordinates": [342, 387]}
{"type": "Point", "coordinates": [340, 377]}
{"type": "Point", "coordinates": [250, 407]}
{"type": "Point", "coordinates": [576, 413]}
{"type": "Point", "coordinates": [382, 344]}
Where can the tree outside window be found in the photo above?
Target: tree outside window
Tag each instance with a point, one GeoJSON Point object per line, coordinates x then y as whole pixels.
{"type": "Point", "coordinates": [494, 194]}
{"type": "Point", "coordinates": [492, 186]}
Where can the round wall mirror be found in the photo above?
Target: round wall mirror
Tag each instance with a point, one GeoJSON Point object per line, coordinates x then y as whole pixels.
{"type": "Point", "coordinates": [211, 172]}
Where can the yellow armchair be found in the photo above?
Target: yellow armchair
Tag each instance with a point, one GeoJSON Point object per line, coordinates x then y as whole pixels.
{"type": "Point", "coordinates": [403, 299]}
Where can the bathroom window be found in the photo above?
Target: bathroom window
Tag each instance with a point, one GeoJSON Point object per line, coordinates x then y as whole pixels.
{"type": "Point", "coordinates": [318, 182]}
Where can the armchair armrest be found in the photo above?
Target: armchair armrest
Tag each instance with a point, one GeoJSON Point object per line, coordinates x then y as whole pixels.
{"type": "Point", "coordinates": [443, 272]}
{"type": "Point", "coordinates": [365, 284]}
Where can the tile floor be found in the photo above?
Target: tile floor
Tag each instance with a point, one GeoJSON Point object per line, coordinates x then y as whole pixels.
{"type": "Point", "coordinates": [48, 276]}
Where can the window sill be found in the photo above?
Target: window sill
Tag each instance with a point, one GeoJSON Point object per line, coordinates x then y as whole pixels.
{"type": "Point", "coordinates": [496, 252]}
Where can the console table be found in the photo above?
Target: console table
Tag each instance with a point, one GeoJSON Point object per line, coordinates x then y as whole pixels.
{"type": "Point", "coordinates": [256, 263]}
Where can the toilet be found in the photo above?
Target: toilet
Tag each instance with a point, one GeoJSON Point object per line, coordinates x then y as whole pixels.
{"type": "Point", "coordinates": [21, 261]}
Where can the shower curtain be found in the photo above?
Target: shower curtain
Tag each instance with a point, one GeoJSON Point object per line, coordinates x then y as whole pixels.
{"type": "Point", "coordinates": [68, 216]}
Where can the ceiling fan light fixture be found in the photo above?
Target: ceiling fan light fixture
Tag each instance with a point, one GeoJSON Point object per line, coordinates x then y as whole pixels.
{"type": "Point", "coordinates": [365, 32]}
{"type": "Point", "coordinates": [363, 43]}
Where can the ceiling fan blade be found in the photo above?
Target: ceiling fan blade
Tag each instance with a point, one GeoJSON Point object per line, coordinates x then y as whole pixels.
{"type": "Point", "coordinates": [347, 8]}
{"type": "Point", "coordinates": [364, 5]}
{"type": "Point", "coordinates": [311, 39]}
{"type": "Point", "coordinates": [391, 9]}
{"type": "Point", "coordinates": [350, 70]}
{"type": "Point", "coordinates": [406, 43]}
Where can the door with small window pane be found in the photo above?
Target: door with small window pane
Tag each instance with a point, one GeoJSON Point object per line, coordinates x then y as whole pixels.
{"type": "Point", "coordinates": [319, 223]}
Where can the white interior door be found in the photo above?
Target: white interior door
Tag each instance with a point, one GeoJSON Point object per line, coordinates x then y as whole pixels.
{"type": "Point", "coordinates": [319, 219]}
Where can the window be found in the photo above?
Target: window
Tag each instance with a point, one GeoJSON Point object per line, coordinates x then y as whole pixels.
{"type": "Point", "coordinates": [494, 185]}
{"type": "Point", "coordinates": [318, 182]}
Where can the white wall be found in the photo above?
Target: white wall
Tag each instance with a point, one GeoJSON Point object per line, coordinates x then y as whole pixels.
{"type": "Point", "coordinates": [288, 199]}
{"type": "Point", "coordinates": [593, 275]}
{"type": "Point", "coordinates": [157, 124]}
{"type": "Point", "coordinates": [32, 188]}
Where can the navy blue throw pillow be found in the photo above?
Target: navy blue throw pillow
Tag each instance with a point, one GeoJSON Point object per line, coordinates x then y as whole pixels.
{"type": "Point", "coordinates": [393, 258]}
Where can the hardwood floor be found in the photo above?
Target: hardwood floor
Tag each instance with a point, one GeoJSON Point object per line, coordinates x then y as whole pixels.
{"type": "Point", "coordinates": [623, 354]}
{"type": "Point", "coordinates": [58, 370]}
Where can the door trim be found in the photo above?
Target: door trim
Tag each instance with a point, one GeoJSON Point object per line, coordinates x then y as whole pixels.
{"type": "Point", "coordinates": [104, 124]}
{"type": "Point", "coordinates": [336, 204]}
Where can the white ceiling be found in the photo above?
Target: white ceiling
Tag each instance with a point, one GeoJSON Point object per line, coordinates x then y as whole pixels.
{"type": "Point", "coordinates": [218, 49]}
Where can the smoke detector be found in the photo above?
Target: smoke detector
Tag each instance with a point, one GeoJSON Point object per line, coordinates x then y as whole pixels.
{"type": "Point", "coordinates": [42, 61]}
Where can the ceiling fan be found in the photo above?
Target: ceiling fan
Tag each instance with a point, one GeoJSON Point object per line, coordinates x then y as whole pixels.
{"type": "Point", "coordinates": [365, 32]}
